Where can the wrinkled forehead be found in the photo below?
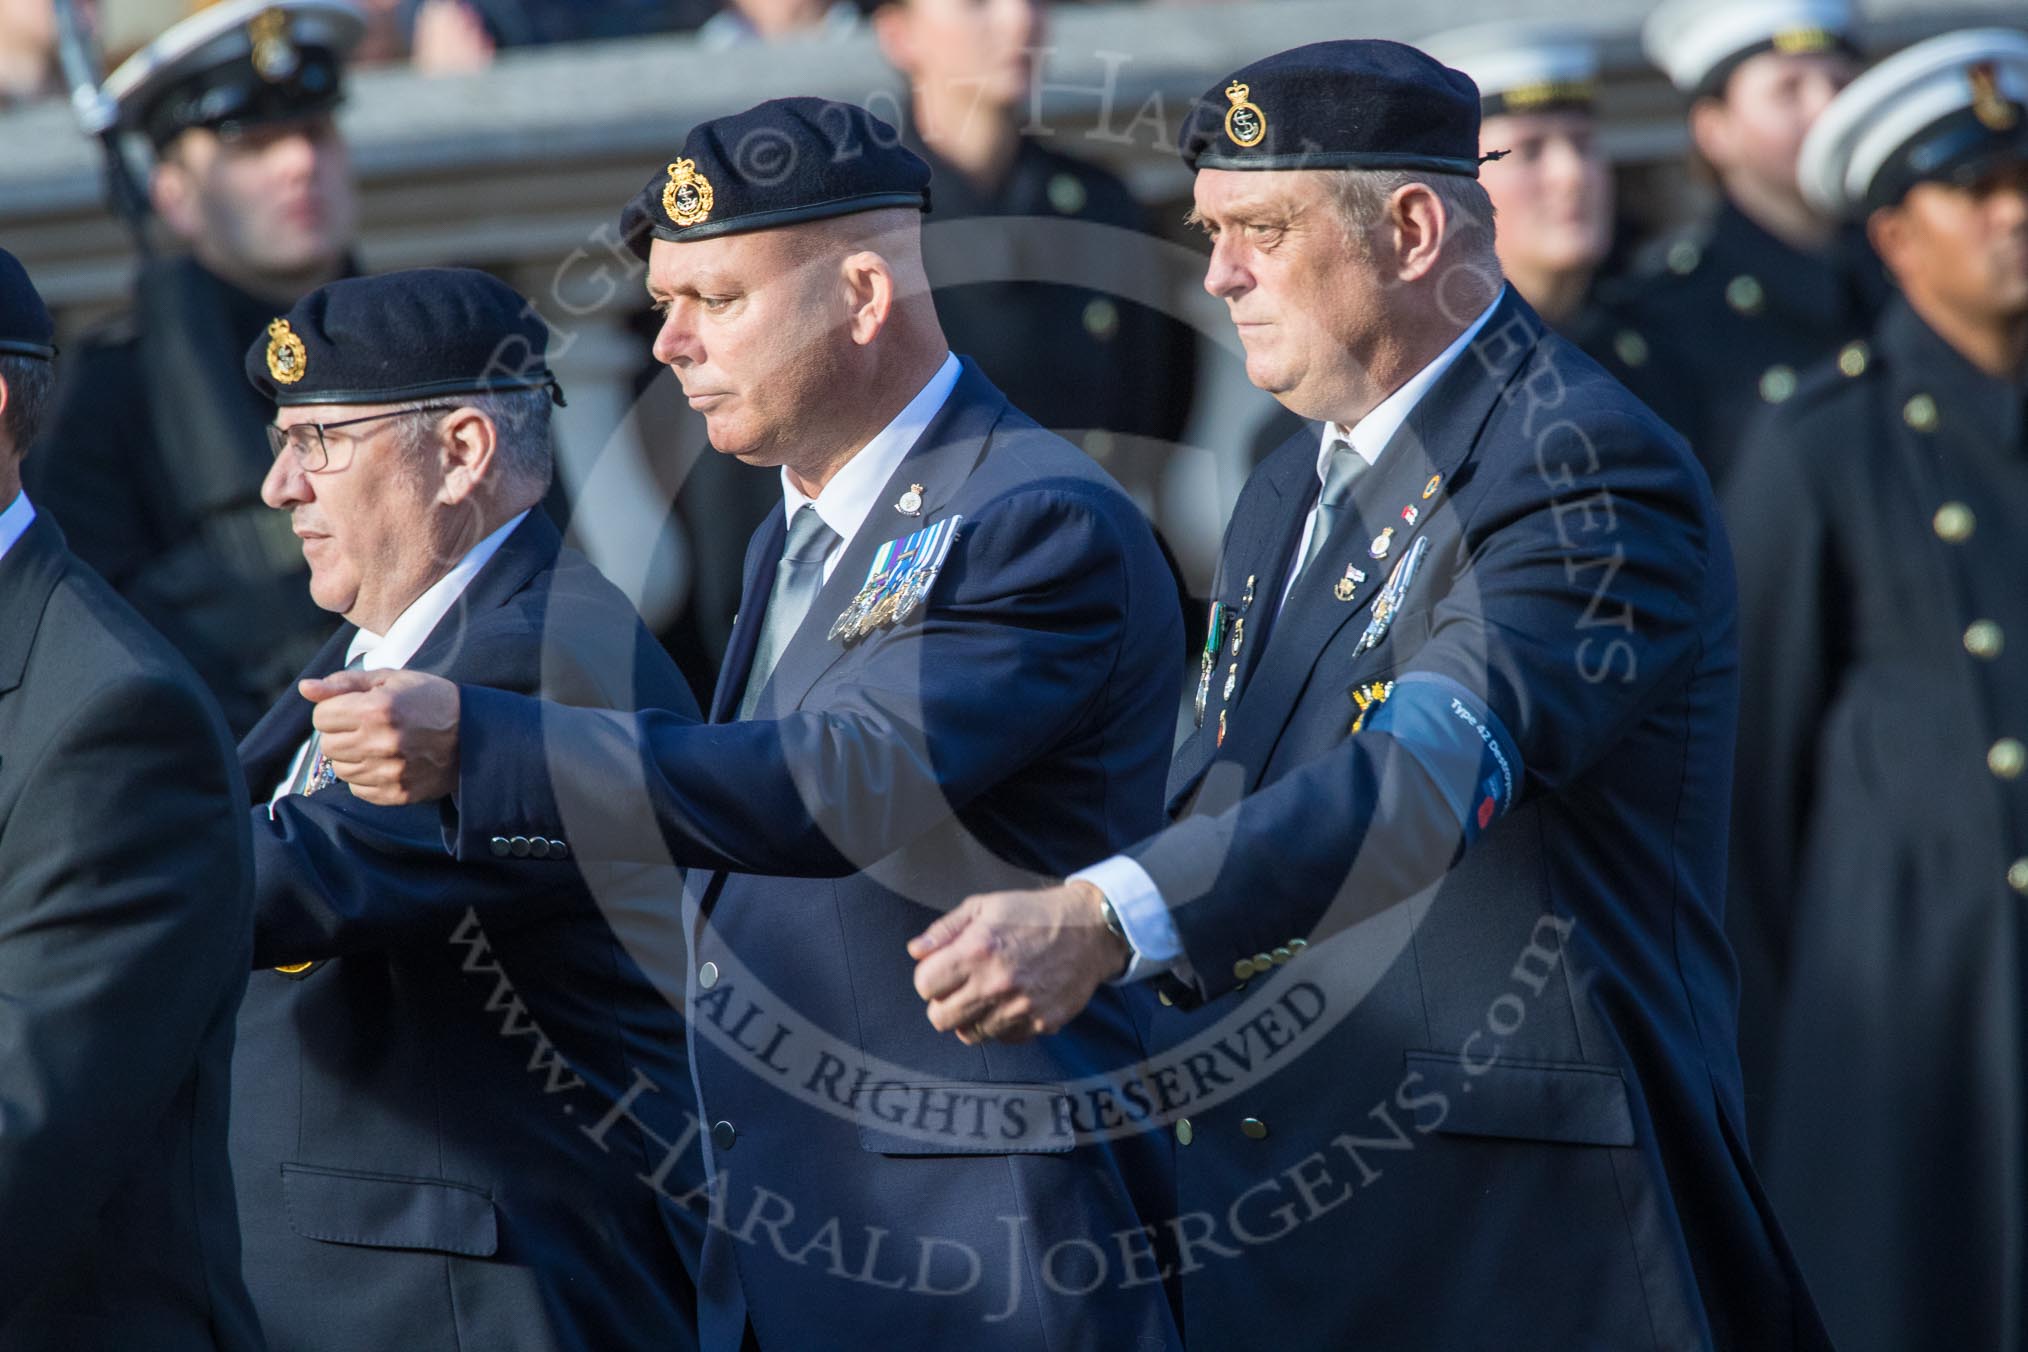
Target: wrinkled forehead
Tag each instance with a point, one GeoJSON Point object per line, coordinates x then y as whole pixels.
{"type": "Point", "coordinates": [1226, 195]}
{"type": "Point", "coordinates": [296, 415]}
{"type": "Point", "coordinates": [744, 260]}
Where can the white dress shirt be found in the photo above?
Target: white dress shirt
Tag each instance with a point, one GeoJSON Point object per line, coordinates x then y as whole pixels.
{"type": "Point", "coordinates": [1151, 931]}
{"type": "Point", "coordinates": [848, 499]}
{"type": "Point", "coordinates": [392, 650]}
{"type": "Point", "coordinates": [14, 521]}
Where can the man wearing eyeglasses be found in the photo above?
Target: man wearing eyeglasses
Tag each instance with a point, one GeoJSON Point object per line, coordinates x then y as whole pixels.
{"type": "Point", "coordinates": [428, 1048]}
{"type": "Point", "coordinates": [153, 461]}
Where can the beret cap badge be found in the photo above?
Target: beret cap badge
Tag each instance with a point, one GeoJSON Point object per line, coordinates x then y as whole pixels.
{"type": "Point", "coordinates": [287, 360]}
{"type": "Point", "coordinates": [274, 55]}
{"type": "Point", "coordinates": [1990, 106]}
{"type": "Point", "coordinates": [686, 198]}
{"type": "Point", "coordinates": [1245, 123]}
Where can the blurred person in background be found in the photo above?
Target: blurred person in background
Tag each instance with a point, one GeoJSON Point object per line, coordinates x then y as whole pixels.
{"type": "Point", "coordinates": [154, 461]}
{"type": "Point", "coordinates": [743, 21]}
{"type": "Point", "coordinates": [1042, 263]}
{"type": "Point", "coordinates": [449, 37]}
{"type": "Point", "coordinates": [1766, 286]}
{"type": "Point", "coordinates": [1880, 837]}
{"type": "Point", "coordinates": [1552, 191]}
{"type": "Point", "coordinates": [27, 50]}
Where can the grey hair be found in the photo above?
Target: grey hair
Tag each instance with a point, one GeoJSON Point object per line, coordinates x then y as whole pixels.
{"type": "Point", "coordinates": [520, 420]}
{"type": "Point", "coordinates": [31, 392]}
{"type": "Point", "coordinates": [1362, 196]}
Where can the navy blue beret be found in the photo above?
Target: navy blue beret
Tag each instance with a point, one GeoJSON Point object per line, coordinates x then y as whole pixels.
{"type": "Point", "coordinates": [778, 163]}
{"type": "Point", "coordinates": [1359, 104]}
{"type": "Point", "coordinates": [25, 327]}
{"type": "Point", "coordinates": [400, 336]}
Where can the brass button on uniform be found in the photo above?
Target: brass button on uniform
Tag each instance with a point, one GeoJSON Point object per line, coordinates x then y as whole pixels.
{"type": "Point", "coordinates": [1920, 413]}
{"type": "Point", "coordinates": [1185, 1133]}
{"type": "Point", "coordinates": [1101, 319]}
{"type": "Point", "coordinates": [1255, 1129]}
{"type": "Point", "coordinates": [1777, 383]}
{"type": "Point", "coordinates": [498, 845]}
{"type": "Point", "coordinates": [2017, 876]}
{"type": "Point", "coordinates": [1066, 194]}
{"type": "Point", "coordinates": [707, 975]}
{"type": "Point", "coordinates": [2007, 758]}
{"type": "Point", "coordinates": [1163, 996]}
{"type": "Point", "coordinates": [723, 1135]}
{"type": "Point", "coordinates": [1954, 523]}
{"type": "Point", "coordinates": [1263, 962]}
{"type": "Point", "coordinates": [1684, 256]}
{"type": "Point", "coordinates": [1298, 945]}
{"type": "Point", "coordinates": [1745, 294]}
{"type": "Point", "coordinates": [1852, 359]}
{"type": "Point", "coordinates": [1281, 955]}
{"type": "Point", "coordinates": [1630, 347]}
{"type": "Point", "coordinates": [1243, 968]}
{"type": "Point", "coordinates": [1985, 639]}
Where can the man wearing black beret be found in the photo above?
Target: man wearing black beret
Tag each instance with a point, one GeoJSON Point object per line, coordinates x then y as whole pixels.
{"type": "Point", "coordinates": [954, 668]}
{"type": "Point", "coordinates": [124, 909]}
{"type": "Point", "coordinates": [154, 456]}
{"type": "Point", "coordinates": [425, 1043]}
{"type": "Point", "coordinates": [1445, 880]}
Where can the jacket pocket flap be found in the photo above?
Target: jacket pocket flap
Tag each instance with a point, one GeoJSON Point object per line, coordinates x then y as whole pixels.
{"type": "Point", "coordinates": [386, 1211]}
{"type": "Point", "coordinates": [1568, 1102]}
{"type": "Point", "coordinates": [965, 1117]}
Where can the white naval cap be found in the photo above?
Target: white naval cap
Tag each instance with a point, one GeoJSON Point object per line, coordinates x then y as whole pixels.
{"type": "Point", "coordinates": [1699, 43]}
{"type": "Point", "coordinates": [1522, 67]}
{"type": "Point", "coordinates": [239, 61]}
{"type": "Point", "coordinates": [1940, 111]}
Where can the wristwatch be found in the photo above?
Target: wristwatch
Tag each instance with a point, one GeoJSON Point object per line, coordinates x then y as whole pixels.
{"type": "Point", "coordinates": [1111, 918]}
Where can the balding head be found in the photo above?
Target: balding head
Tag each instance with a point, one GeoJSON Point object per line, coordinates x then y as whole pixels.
{"type": "Point", "coordinates": [798, 344]}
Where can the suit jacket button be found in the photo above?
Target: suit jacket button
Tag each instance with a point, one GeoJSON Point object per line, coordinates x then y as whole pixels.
{"type": "Point", "coordinates": [1185, 1133]}
{"type": "Point", "coordinates": [707, 975]}
{"type": "Point", "coordinates": [557, 849]}
{"type": "Point", "coordinates": [1255, 1129]}
{"type": "Point", "coordinates": [1263, 962]}
{"type": "Point", "coordinates": [723, 1135]}
{"type": "Point", "coordinates": [499, 847]}
{"type": "Point", "coordinates": [518, 847]}
{"type": "Point", "coordinates": [1298, 945]}
{"type": "Point", "coordinates": [1282, 955]}
{"type": "Point", "coordinates": [1163, 996]}
{"type": "Point", "coordinates": [1243, 968]}
{"type": "Point", "coordinates": [538, 847]}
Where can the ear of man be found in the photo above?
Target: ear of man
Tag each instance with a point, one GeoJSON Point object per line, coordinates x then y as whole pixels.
{"type": "Point", "coordinates": [467, 449]}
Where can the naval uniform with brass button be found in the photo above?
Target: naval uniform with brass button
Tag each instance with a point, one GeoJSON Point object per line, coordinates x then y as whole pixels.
{"type": "Point", "coordinates": [1880, 842]}
{"type": "Point", "coordinates": [1733, 315]}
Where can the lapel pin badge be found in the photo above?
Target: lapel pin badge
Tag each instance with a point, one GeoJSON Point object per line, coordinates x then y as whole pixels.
{"type": "Point", "coordinates": [1382, 543]}
{"type": "Point", "coordinates": [910, 503]}
{"type": "Point", "coordinates": [1429, 489]}
{"type": "Point", "coordinates": [1346, 585]}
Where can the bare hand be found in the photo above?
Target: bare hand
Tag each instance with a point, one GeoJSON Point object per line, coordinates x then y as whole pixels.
{"type": "Point", "coordinates": [1009, 966]}
{"type": "Point", "coordinates": [391, 735]}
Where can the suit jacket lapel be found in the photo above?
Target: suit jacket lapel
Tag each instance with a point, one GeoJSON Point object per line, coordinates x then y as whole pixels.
{"type": "Point", "coordinates": [528, 549]}
{"type": "Point", "coordinates": [1267, 523]}
{"type": "Point", "coordinates": [28, 574]}
{"type": "Point", "coordinates": [1438, 435]}
{"type": "Point", "coordinates": [940, 460]}
{"type": "Point", "coordinates": [763, 552]}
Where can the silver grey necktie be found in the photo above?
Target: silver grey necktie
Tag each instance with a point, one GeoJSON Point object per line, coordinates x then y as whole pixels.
{"type": "Point", "coordinates": [315, 772]}
{"type": "Point", "coordinates": [1340, 471]}
{"type": "Point", "coordinates": [798, 579]}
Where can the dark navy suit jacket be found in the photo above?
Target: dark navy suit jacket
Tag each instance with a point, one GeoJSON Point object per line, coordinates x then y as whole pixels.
{"type": "Point", "coordinates": [1464, 1070]}
{"type": "Point", "coordinates": [124, 900]}
{"type": "Point", "coordinates": [417, 1117]}
{"type": "Point", "coordinates": [944, 1195]}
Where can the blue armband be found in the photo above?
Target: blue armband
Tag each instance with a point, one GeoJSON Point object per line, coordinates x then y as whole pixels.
{"type": "Point", "coordinates": [1460, 743]}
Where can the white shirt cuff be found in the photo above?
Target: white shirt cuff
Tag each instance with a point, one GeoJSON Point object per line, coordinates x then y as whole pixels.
{"type": "Point", "coordinates": [1143, 915]}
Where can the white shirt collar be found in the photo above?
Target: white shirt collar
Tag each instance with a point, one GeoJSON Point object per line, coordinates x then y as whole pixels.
{"type": "Point", "coordinates": [847, 500]}
{"type": "Point", "coordinates": [14, 521]}
{"type": "Point", "coordinates": [1370, 435]}
{"type": "Point", "coordinates": [413, 625]}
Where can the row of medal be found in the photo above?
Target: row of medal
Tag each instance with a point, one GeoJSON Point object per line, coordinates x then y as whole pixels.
{"type": "Point", "coordinates": [1385, 606]}
{"type": "Point", "coordinates": [898, 581]}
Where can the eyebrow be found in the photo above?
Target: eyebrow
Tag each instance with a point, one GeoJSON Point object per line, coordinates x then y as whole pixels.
{"type": "Point", "coordinates": [697, 285]}
{"type": "Point", "coordinates": [1251, 213]}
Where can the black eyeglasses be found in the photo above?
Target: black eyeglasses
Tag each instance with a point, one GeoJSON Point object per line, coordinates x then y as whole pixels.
{"type": "Point", "coordinates": [306, 441]}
